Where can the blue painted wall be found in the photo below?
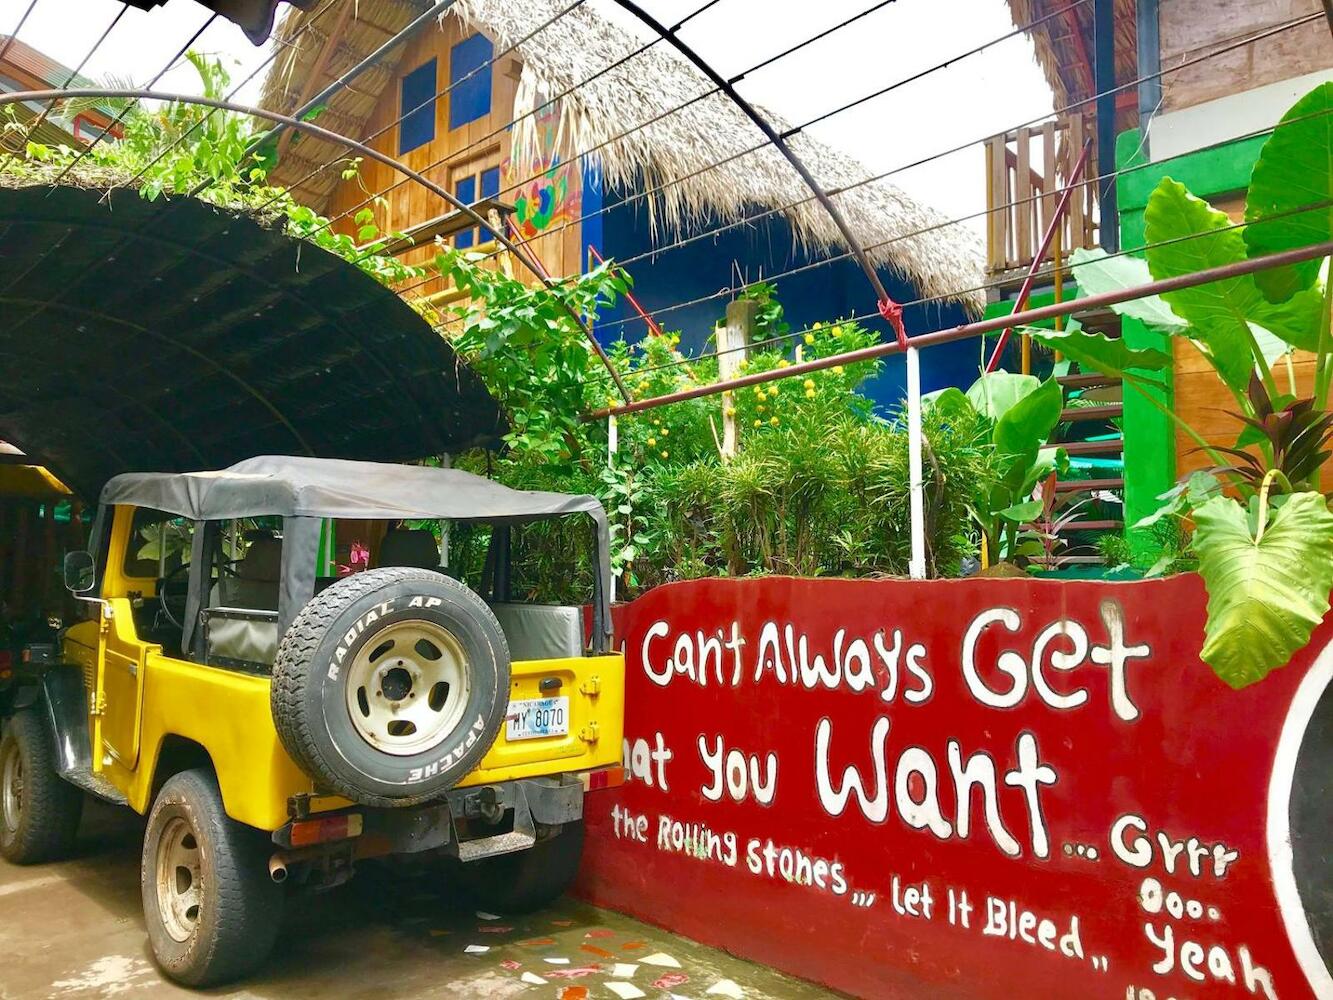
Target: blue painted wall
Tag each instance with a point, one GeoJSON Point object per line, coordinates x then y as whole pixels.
{"type": "Point", "coordinates": [828, 292]}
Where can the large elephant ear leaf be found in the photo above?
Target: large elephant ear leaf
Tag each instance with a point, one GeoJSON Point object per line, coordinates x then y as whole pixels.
{"type": "Point", "coordinates": [1097, 273]}
{"type": "Point", "coordinates": [1265, 596]}
{"type": "Point", "coordinates": [1185, 235]}
{"type": "Point", "coordinates": [1096, 351]}
{"type": "Point", "coordinates": [995, 392]}
{"type": "Point", "coordinates": [1027, 425]}
{"type": "Point", "coordinates": [1294, 170]}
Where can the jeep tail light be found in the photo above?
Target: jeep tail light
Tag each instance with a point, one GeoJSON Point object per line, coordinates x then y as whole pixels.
{"type": "Point", "coordinates": [308, 832]}
{"type": "Point", "coordinates": [603, 777]}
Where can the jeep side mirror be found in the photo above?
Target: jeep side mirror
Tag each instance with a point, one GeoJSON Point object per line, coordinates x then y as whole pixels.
{"type": "Point", "coordinates": [80, 574]}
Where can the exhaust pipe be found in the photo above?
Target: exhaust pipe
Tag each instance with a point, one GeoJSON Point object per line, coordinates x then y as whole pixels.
{"type": "Point", "coordinates": [277, 868]}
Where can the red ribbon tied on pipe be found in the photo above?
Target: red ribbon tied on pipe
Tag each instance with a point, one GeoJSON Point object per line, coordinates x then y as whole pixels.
{"type": "Point", "coordinates": [893, 315]}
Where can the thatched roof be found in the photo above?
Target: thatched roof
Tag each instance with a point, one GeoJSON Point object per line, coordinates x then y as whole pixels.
{"type": "Point", "coordinates": [1065, 47]}
{"type": "Point", "coordinates": [942, 261]}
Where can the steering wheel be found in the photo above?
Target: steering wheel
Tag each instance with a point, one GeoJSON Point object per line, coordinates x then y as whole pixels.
{"type": "Point", "coordinates": [165, 597]}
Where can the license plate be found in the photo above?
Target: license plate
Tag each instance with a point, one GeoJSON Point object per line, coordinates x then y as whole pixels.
{"type": "Point", "coordinates": [534, 718]}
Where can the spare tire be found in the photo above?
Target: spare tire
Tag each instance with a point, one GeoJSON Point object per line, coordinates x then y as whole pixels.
{"type": "Point", "coordinates": [391, 685]}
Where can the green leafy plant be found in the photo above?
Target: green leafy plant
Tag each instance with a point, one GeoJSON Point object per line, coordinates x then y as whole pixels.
{"type": "Point", "coordinates": [527, 345]}
{"type": "Point", "coordinates": [1293, 434]}
{"type": "Point", "coordinates": [1167, 551]}
{"type": "Point", "coordinates": [818, 487]}
{"type": "Point", "coordinates": [173, 148]}
{"type": "Point", "coordinates": [1268, 581]}
{"type": "Point", "coordinates": [1021, 411]}
{"type": "Point", "coordinates": [770, 319]}
{"type": "Point", "coordinates": [1262, 531]}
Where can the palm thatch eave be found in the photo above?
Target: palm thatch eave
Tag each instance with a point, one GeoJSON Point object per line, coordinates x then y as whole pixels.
{"type": "Point", "coordinates": [701, 161]}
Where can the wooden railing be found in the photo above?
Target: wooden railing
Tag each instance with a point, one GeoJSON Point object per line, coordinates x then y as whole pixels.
{"type": "Point", "coordinates": [1026, 172]}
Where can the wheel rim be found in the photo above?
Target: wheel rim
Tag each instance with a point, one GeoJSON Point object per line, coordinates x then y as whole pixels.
{"type": "Point", "coordinates": [408, 687]}
{"type": "Point", "coordinates": [11, 790]}
{"type": "Point", "coordinates": [179, 879]}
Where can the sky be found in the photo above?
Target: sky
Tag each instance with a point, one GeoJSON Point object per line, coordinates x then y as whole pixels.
{"type": "Point", "coordinates": [976, 96]}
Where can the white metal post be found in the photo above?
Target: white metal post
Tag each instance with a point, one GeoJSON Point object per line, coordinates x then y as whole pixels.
{"type": "Point", "coordinates": [916, 500]}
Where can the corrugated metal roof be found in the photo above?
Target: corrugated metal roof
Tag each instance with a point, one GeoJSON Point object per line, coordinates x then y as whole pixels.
{"type": "Point", "coordinates": [54, 74]}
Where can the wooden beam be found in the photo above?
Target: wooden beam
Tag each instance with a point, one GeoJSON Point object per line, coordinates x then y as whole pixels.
{"type": "Point", "coordinates": [321, 61]}
{"type": "Point", "coordinates": [1112, 446]}
{"type": "Point", "coordinates": [1104, 411]}
{"type": "Point", "coordinates": [444, 226]}
{"type": "Point", "coordinates": [1089, 485]}
{"type": "Point", "coordinates": [1068, 15]}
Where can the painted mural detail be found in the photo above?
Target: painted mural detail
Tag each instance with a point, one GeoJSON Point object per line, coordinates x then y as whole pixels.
{"type": "Point", "coordinates": [545, 189]}
{"type": "Point", "coordinates": [967, 794]}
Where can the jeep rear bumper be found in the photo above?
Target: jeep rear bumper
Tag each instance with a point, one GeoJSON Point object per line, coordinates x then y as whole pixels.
{"type": "Point", "coordinates": [471, 823]}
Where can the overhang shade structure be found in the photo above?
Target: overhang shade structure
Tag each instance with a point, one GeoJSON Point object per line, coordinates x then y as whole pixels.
{"type": "Point", "coordinates": [172, 335]}
{"type": "Point", "coordinates": [19, 479]}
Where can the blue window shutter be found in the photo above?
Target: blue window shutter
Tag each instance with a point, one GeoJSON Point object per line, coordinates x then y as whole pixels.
{"type": "Point", "coordinates": [417, 106]}
{"type": "Point", "coordinates": [466, 192]}
{"type": "Point", "coordinates": [490, 182]}
{"type": "Point", "coordinates": [470, 98]}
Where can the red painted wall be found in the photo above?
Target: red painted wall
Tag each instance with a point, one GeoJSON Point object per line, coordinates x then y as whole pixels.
{"type": "Point", "coordinates": [1109, 743]}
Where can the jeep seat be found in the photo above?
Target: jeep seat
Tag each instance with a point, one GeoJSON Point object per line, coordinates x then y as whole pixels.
{"type": "Point", "coordinates": [541, 631]}
{"type": "Point", "coordinates": [255, 583]}
{"type": "Point", "coordinates": [415, 548]}
{"type": "Point", "coordinates": [244, 628]}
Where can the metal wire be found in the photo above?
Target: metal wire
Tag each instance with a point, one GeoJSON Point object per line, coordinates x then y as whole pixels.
{"type": "Point", "coordinates": [638, 196]}
{"type": "Point", "coordinates": [986, 286]}
{"type": "Point", "coordinates": [779, 141]}
{"type": "Point", "coordinates": [277, 51]}
{"type": "Point", "coordinates": [1251, 40]}
{"type": "Point", "coordinates": [649, 192]}
{"type": "Point", "coordinates": [126, 110]}
{"type": "Point", "coordinates": [920, 162]}
{"type": "Point", "coordinates": [714, 90]}
{"type": "Point", "coordinates": [46, 111]}
{"type": "Point", "coordinates": [462, 153]}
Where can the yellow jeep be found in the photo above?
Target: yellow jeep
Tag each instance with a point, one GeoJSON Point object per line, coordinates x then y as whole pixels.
{"type": "Point", "coordinates": [277, 721]}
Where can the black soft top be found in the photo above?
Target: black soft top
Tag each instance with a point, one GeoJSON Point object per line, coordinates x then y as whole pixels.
{"type": "Point", "coordinates": [291, 486]}
{"type": "Point", "coordinates": [311, 488]}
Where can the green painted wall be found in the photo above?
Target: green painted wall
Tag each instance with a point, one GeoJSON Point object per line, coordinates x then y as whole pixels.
{"type": "Point", "coordinates": [1150, 464]}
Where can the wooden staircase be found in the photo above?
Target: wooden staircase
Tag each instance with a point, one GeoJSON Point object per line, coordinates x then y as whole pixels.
{"type": "Point", "coordinates": [1090, 437]}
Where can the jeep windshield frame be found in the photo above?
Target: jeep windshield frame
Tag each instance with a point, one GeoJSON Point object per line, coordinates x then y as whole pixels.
{"type": "Point", "coordinates": [304, 491]}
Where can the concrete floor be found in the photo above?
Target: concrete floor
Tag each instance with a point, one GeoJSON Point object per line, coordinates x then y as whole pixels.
{"type": "Point", "coordinates": [74, 930]}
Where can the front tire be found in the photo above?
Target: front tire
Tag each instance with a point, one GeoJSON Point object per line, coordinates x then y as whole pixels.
{"type": "Point", "coordinates": [524, 881]}
{"type": "Point", "coordinates": [211, 909]}
{"type": "Point", "coordinates": [39, 810]}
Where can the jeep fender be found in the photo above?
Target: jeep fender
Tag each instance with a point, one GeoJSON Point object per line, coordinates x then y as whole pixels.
{"type": "Point", "coordinates": [60, 691]}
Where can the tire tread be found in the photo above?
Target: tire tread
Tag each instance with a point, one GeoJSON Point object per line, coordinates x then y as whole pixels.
{"type": "Point", "coordinates": [291, 673]}
{"type": "Point", "coordinates": [248, 903]}
{"type": "Point", "coordinates": [52, 806]}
